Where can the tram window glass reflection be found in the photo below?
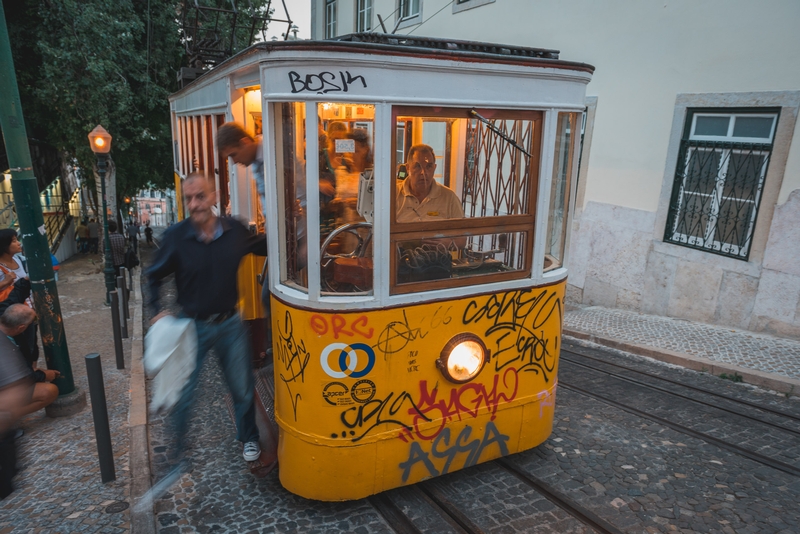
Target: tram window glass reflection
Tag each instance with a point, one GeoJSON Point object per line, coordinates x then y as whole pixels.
{"type": "Point", "coordinates": [290, 156]}
{"type": "Point", "coordinates": [346, 133]}
{"type": "Point", "coordinates": [567, 134]}
{"type": "Point", "coordinates": [466, 181]}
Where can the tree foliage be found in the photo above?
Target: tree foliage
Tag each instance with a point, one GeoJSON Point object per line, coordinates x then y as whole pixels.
{"type": "Point", "coordinates": [112, 62]}
{"type": "Point", "coordinates": [81, 63]}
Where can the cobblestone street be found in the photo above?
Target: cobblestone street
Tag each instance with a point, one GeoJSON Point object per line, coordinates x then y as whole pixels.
{"type": "Point", "coordinates": [635, 474]}
{"type": "Point", "coordinates": [58, 488]}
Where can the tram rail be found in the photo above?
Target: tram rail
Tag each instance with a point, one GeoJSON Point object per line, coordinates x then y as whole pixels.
{"type": "Point", "coordinates": [679, 395]}
{"type": "Point", "coordinates": [560, 499]}
{"type": "Point", "coordinates": [431, 492]}
{"type": "Point", "coordinates": [707, 391]}
{"type": "Point", "coordinates": [732, 447]}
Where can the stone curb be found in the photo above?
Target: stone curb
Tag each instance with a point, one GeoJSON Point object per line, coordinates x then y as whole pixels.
{"type": "Point", "coordinates": [142, 521]}
{"type": "Point", "coordinates": [772, 381]}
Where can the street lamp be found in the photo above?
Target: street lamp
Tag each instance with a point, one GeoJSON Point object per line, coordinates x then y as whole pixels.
{"type": "Point", "coordinates": [100, 141]}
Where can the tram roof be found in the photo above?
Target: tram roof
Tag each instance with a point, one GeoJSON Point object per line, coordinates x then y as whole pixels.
{"type": "Point", "coordinates": [424, 47]}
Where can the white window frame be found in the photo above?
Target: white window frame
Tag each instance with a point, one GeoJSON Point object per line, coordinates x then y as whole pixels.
{"type": "Point", "coordinates": [363, 15]}
{"type": "Point", "coordinates": [404, 21]}
{"type": "Point", "coordinates": [330, 19]}
{"type": "Point", "coordinates": [464, 5]}
{"type": "Point", "coordinates": [731, 125]}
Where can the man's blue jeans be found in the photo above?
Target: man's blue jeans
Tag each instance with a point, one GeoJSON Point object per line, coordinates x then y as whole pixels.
{"type": "Point", "coordinates": [231, 343]}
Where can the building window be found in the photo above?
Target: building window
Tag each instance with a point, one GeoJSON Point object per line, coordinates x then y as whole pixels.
{"type": "Point", "coordinates": [364, 15]}
{"type": "Point", "coordinates": [330, 19]}
{"type": "Point", "coordinates": [409, 9]}
{"type": "Point", "coordinates": [722, 164]}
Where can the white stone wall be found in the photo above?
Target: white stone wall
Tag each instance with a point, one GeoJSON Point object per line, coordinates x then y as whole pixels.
{"type": "Point", "coordinates": [618, 264]}
{"type": "Point", "coordinates": [654, 60]}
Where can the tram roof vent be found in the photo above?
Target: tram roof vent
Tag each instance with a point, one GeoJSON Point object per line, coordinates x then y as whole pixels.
{"type": "Point", "coordinates": [407, 41]}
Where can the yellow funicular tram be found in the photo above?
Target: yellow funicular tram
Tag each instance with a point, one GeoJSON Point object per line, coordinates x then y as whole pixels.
{"type": "Point", "coordinates": [417, 211]}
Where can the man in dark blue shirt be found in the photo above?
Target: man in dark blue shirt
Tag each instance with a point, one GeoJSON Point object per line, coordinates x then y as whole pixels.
{"type": "Point", "coordinates": [204, 252]}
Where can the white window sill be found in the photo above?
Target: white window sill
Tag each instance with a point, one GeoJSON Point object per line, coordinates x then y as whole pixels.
{"type": "Point", "coordinates": [410, 21]}
{"type": "Point", "coordinates": [458, 8]}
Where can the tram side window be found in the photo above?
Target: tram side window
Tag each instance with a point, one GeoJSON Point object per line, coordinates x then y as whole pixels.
{"type": "Point", "coordinates": [567, 135]}
{"type": "Point", "coordinates": [290, 138]}
{"type": "Point", "coordinates": [346, 133]}
{"type": "Point", "coordinates": [466, 183]}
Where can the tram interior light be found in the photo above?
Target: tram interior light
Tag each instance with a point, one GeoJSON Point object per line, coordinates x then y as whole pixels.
{"type": "Point", "coordinates": [462, 358]}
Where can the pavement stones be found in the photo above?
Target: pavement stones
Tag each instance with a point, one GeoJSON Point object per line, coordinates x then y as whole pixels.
{"type": "Point", "coordinates": [58, 488]}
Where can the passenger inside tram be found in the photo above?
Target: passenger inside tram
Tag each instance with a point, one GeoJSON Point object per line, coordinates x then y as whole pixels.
{"type": "Point", "coordinates": [420, 197]}
{"type": "Point", "coordinates": [464, 209]}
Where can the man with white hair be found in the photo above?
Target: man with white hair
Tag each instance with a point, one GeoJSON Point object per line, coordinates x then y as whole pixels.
{"type": "Point", "coordinates": [204, 252]}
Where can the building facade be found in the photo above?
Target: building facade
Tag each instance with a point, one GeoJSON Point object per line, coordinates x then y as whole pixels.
{"type": "Point", "coordinates": [155, 207]}
{"type": "Point", "coordinates": [688, 202]}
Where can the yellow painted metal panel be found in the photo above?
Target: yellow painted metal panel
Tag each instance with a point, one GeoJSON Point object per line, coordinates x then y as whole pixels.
{"type": "Point", "coordinates": [360, 393]}
{"type": "Point", "coordinates": [179, 196]}
{"type": "Point", "coordinates": [249, 305]}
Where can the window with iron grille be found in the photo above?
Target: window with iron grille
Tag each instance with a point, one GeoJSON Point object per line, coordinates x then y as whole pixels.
{"type": "Point", "coordinates": [330, 19]}
{"type": "Point", "coordinates": [364, 15]}
{"type": "Point", "coordinates": [722, 164]}
{"type": "Point", "coordinates": [409, 8]}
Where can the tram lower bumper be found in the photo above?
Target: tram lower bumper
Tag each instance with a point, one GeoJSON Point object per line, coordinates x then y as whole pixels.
{"type": "Point", "coordinates": [351, 468]}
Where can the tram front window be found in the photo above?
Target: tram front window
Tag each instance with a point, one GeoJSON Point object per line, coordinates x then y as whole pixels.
{"type": "Point", "coordinates": [466, 183]}
{"type": "Point", "coordinates": [566, 140]}
{"type": "Point", "coordinates": [346, 134]}
{"type": "Point", "coordinates": [290, 155]}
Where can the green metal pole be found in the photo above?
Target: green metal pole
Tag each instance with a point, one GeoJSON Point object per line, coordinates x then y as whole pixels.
{"type": "Point", "coordinates": [31, 220]}
{"type": "Point", "coordinates": [109, 266]}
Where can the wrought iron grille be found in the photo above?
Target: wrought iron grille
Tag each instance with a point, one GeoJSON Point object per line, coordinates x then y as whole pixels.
{"type": "Point", "coordinates": [497, 179]}
{"type": "Point", "coordinates": [716, 195]}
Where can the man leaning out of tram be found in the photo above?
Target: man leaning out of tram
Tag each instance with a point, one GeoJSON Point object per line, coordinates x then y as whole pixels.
{"type": "Point", "coordinates": [421, 198]}
{"type": "Point", "coordinates": [204, 252]}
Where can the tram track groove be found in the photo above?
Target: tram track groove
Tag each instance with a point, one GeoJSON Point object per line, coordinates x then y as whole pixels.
{"type": "Point", "coordinates": [752, 455]}
{"type": "Point", "coordinates": [687, 386]}
{"type": "Point", "coordinates": [558, 498]}
{"type": "Point", "coordinates": [394, 516]}
{"type": "Point", "coordinates": [686, 397]}
{"type": "Point", "coordinates": [437, 498]}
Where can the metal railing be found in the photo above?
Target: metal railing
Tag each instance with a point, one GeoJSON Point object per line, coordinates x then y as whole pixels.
{"type": "Point", "coordinates": [716, 196]}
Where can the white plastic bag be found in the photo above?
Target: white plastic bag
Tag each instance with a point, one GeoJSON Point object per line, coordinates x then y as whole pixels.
{"type": "Point", "coordinates": [170, 355]}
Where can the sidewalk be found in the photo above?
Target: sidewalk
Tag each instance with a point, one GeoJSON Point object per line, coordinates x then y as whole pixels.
{"type": "Point", "coordinates": [761, 360]}
{"type": "Point", "coordinates": [58, 487]}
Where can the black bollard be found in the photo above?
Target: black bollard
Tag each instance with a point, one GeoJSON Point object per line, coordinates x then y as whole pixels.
{"type": "Point", "coordinates": [102, 432]}
{"type": "Point", "coordinates": [123, 319]}
{"type": "Point", "coordinates": [117, 330]}
{"type": "Point", "coordinates": [126, 293]}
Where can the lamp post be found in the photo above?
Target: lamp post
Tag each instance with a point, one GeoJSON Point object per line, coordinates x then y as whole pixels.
{"type": "Point", "coordinates": [31, 224]}
{"type": "Point", "coordinates": [100, 141]}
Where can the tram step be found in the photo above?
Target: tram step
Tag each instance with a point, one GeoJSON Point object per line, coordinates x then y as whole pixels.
{"type": "Point", "coordinates": [265, 420]}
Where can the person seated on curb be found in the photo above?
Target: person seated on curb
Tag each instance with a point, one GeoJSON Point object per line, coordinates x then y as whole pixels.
{"type": "Point", "coordinates": [13, 322]}
{"type": "Point", "coordinates": [16, 390]}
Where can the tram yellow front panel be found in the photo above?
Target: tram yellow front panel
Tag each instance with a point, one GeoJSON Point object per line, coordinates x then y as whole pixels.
{"type": "Point", "coordinates": [362, 407]}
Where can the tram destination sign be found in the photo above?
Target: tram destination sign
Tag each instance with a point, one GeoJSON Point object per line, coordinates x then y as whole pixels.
{"type": "Point", "coordinates": [325, 82]}
{"type": "Point", "coordinates": [424, 81]}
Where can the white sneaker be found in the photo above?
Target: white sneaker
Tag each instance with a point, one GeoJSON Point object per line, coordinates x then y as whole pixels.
{"type": "Point", "coordinates": [251, 451]}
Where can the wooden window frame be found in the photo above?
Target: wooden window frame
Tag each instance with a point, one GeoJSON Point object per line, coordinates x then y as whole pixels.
{"type": "Point", "coordinates": [524, 223]}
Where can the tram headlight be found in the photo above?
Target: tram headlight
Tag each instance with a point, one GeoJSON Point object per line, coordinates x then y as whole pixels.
{"type": "Point", "coordinates": [462, 358]}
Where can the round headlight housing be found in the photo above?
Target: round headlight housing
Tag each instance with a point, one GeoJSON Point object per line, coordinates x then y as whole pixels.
{"type": "Point", "coordinates": [462, 358]}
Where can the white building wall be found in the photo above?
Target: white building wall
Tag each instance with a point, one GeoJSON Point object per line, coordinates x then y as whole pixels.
{"type": "Point", "coordinates": [654, 60]}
